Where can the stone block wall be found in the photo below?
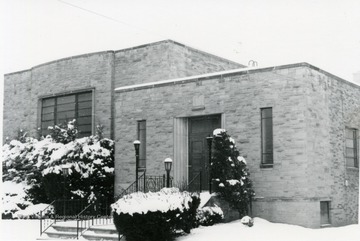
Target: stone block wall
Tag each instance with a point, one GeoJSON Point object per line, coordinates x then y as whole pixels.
{"type": "Point", "coordinates": [303, 212]}
{"type": "Point", "coordinates": [102, 72]}
{"type": "Point", "coordinates": [24, 90]}
{"type": "Point", "coordinates": [344, 108]}
{"type": "Point", "coordinates": [164, 60]}
{"type": "Point", "coordinates": [332, 104]}
{"type": "Point", "coordinates": [238, 98]}
{"type": "Point", "coordinates": [305, 169]}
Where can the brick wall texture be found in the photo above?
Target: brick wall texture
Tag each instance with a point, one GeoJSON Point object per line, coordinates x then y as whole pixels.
{"type": "Point", "coordinates": [310, 112]}
{"type": "Point", "coordinates": [311, 109]}
{"type": "Point", "coordinates": [163, 61]}
{"type": "Point", "coordinates": [101, 72]}
{"type": "Point", "coordinates": [24, 90]}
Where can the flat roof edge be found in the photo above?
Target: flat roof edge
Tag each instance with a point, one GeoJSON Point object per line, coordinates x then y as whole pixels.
{"type": "Point", "coordinates": [127, 49]}
{"type": "Point", "coordinates": [225, 74]}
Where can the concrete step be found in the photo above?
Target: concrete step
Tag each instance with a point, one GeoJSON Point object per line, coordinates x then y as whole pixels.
{"type": "Point", "coordinates": [62, 228]}
{"type": "Point", "coordinates": [102, 232]}
{"type": "Point", "coordinates": [104, 237]}
{"type": "Point", "coordinates": [67, 230]}
{"type": "Point", "coordinates": [103, 229]}
{"type": "Point", "coordinates": [61, 235]}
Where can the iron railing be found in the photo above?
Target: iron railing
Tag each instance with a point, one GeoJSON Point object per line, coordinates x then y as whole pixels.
{"type": "Point", "coordinates": [95, 213]}
{"type": "Point", "coordinates": [74, 209]}
{"type": "Point", "coordinates": [145, 183]}
{"type": "Point", "coordinates": [195, 184]}
{"type": "Point", "coordinates": [60, 210]}
{"type": "Point", "coordinates": [47, 218]}
{"type": "Point", "coordinates": [67, 209]}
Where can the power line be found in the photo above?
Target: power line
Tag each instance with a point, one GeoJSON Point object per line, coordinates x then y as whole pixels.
{"type": "Point", "coordinates": [112, 19]}
{"type": "Point", "coordinates": [125, 23]}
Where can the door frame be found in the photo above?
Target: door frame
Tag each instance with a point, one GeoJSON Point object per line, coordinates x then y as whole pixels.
{"type": "Point", "coordinates": [181, 145]}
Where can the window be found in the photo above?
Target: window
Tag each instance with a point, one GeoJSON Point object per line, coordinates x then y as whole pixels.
{"type": "Point", "coordinates": [266, 137]}
{"type": "Point", "coordinates": [324, 212]}
{"type": "Point", "coordinates": [141, 135]}
{"type": "Point", "coordinates": [351, 147]}
{"type": "Point", "coordinates": [64, 108]}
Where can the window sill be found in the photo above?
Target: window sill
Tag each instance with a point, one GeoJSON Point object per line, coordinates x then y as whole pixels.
{"type": "Point", "coordinates": [266, 166]}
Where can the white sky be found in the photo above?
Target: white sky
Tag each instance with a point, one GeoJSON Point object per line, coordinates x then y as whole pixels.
{"type": "Point", "coordinates": [325, 33]}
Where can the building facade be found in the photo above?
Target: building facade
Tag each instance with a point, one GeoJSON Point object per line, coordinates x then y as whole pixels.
{"type": "Point", "coordinates": [296, 125]}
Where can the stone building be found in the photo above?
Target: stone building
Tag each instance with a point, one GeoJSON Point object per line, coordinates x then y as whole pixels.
{"type": "Point", "coordinates": [296, 125]}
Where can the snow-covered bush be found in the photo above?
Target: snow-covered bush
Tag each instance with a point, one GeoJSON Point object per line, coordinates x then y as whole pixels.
{"type": "Point", "coordinates": [64, 132]}
{"type": "Point", "coordinates": [13, 199]}
{"type": "Point", "coordinates": [39, 163]}
{"type": "Point", "coordinates": [155, 216]}
{"type": "Point", "coordinates": [229, 173]}
{"type": "Point", "coordinates": [208, 216]}
{"type": "Point", "coordinates": [35, 211]}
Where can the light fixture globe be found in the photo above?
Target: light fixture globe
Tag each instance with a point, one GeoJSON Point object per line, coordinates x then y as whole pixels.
{"type": "Point", "coordinates": [137, 145]}
{"type": "Point", "coordinates": [168, 163]}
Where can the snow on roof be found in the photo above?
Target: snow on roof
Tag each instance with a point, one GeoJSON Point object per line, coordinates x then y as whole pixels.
{"type": "Point", "coordinates": [227, 72]}
{"type": "Point", "coordinates": [183, 79]}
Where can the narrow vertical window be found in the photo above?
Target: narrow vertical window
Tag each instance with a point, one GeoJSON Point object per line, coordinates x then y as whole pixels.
{"type": "Point", "coordinates": [324, 212]}
{"type": "Point", "coordinates": [351, 147]}
{"type": "Point", "coordinates": [267, 159]}
{"type": "Point", "coordinates": [141, 132]}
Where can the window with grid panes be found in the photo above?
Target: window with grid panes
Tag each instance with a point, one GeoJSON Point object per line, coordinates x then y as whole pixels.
{"type": "Point", "coordinates": [267, 159]}
{"type": "Point", "coordinates": [61, 109]}
{"type": "Point", "coordinates": [351, 147]}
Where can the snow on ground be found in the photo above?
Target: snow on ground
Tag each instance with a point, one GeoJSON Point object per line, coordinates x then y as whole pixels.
{"type": "Point", "coordinates": [28, 230]}
{"type": "Point", "coordinates": [20, 230]}
{"type": "Point", "coordinates": [264, 230]}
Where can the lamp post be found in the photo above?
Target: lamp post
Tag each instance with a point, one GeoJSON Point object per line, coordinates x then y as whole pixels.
{"type": "Point", "coordinates": [137, 148]}
{"type": "Point", "coordinates": [168, 163]}
{"type": "Point", "coordinates": [209, 140]}
{"type": "Point", "coordinates": [65, 171]}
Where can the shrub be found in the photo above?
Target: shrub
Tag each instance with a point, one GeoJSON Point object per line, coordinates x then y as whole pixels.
{"type": "Point", "coordinates": [14, 199]}
{"type": "Point", "coordinates": [208, 216]}
{"type": "Point", "coordinates": [35, 211]}
{"type": "Point", "coordinates": [155, 216]}
{"type": "Point", "coordinates": [64, 132]}
{"type": "Point", "coordinates": [229, 173]}
{"type": "Point", "coordinates": [39, 164]}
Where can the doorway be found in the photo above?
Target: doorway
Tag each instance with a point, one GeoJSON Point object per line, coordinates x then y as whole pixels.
{"type": "Point", "coordinates": [200, 128]}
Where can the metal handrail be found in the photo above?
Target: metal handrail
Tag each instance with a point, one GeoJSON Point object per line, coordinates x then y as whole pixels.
{"type": "Point", "coordinates": [131, 186]}
{"type": "Point", "coordinates": [193, 180]}
{"type": "Point", "coordinates": [41, 218]}
{"type": "Point", "coordinates": [63, 209]}
{"type": "Point", "coordinates": [146, 183]}
{"type": "Point", "coordinates": [93, 219]}
{"type": "Point", "coordinates": [78, 219]}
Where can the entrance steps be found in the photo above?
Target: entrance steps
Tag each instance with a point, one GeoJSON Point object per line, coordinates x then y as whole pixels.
{"type": "Point", "coordinates": [67, 230]}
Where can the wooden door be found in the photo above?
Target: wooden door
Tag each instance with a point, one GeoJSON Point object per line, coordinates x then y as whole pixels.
{"type": "Point", "coordinates": [199, 129]}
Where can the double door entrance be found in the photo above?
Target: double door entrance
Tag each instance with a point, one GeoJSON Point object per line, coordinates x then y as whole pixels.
{"type": "Point", "coordinates": [199, 129]}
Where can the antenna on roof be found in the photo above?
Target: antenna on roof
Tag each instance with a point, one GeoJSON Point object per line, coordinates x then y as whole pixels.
{"type": "Point", "coordinates": [252, 63]}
